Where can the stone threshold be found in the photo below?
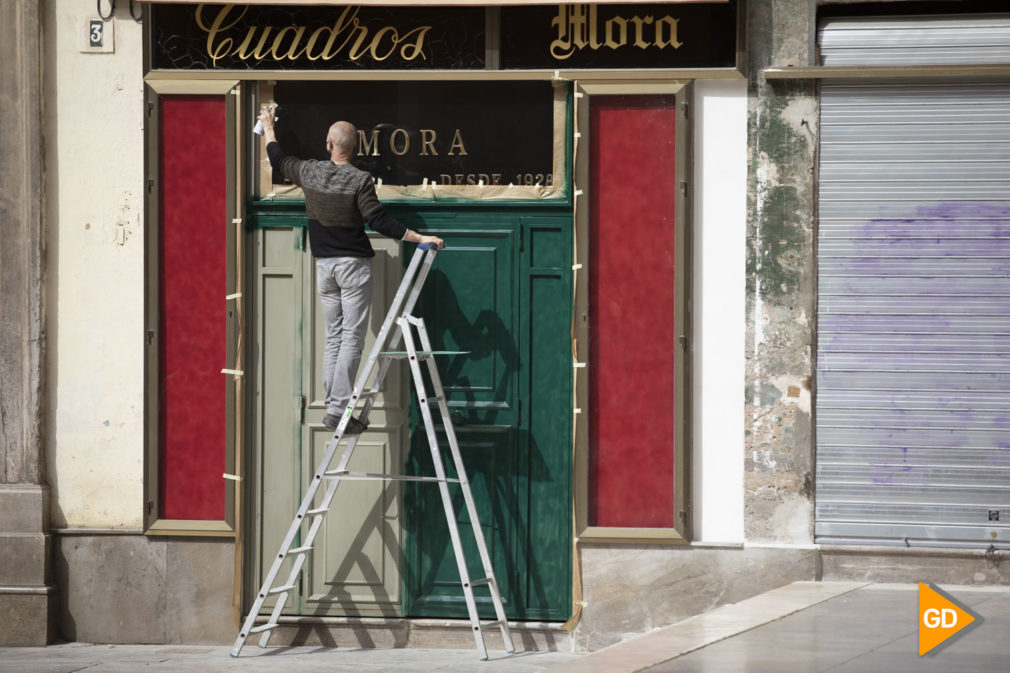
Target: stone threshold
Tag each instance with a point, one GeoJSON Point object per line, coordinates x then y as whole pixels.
{"type": "Point", "coordinates": [396, 632]}
{"type": "Point", "coordinates": [705, 629]}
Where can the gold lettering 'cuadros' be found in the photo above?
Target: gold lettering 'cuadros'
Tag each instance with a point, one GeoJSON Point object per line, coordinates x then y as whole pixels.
{"type": "Point", "coordinates": [347, 37]}
{"type": "Point", "coordinates": [578, 28]}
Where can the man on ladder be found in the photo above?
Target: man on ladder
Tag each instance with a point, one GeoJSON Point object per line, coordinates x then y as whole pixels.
{"type": "Point", "coordinates": [339, 200]}
{"type": "Point", "coordinates": [336, 195]}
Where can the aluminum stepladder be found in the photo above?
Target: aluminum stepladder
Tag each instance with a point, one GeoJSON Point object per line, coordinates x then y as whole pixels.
{"type": "Point", "coordinates": [398, 322]}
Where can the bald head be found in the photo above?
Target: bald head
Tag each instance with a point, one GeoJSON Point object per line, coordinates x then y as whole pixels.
{"type": "Point", "coordinates": [341, 139]}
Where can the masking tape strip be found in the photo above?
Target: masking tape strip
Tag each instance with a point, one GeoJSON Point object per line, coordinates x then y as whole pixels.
{"type": "Point", "coordinates": [236, 220]}
{"type": "Point", "coordinates": [576, 411]}
{"type": "Point", "coordinates": [576, 267]}
{"type": "Point", "coordinates": [229, 297]}
{"type": "Point", "coordinates": [233, 372]}
{"type": "Point", "coordinates": [578, 192]}
{"type": "Point", "coordinates": [233, 477]}
{"type": "Point", "coordinates": [579, 365]}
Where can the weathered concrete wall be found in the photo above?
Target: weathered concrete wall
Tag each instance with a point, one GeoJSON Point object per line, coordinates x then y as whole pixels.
{"type": "Point", "coordinates": [27, 593]}
{"type": "Point", "coordinates": [95, 178]}
{"type": "Point", "coordinates": [780, 279]}
{"type": "Point", "coordinates": [136, 589]}
{"type": "Point", "coordinates": [898, 564]}
{"type": "Point", "coordinates": [631, 591]}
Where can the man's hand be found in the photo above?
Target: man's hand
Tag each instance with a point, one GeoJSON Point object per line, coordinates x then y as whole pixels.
{"type": "Point", "coordinates": [413, 237]}
{"type": "Point", "coordinates": [433, 240]}
{"type": "Point", "coordinates": [266, 118]}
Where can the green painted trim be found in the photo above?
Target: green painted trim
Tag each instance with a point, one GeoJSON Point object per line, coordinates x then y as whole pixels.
{"type": "Point", "coordinates": [295, 204]}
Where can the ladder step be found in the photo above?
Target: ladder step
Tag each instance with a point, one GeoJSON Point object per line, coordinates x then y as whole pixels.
{"type": "Point", "coordinates": [367, 393]}
{"type": "Point", "coordinates": [481, 582]}
{"type": "Point", "coordinates": [261, 629]}
{"type": "Point", "coordinates": [399, 355]}
{"type": "Point", "coordinates": [280, 590]}
{"type": "Point", "coordinates": [371, 476]}
{"type": "Point", "coordinates": [300, 550]}
{"type": "Point", "coordinates": [491, 625]}
{"type": "Point", "coordinates": [317, 511]}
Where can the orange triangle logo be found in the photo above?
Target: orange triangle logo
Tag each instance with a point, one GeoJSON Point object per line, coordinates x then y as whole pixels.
{"type": "Point", "coordinates": [940, 618]}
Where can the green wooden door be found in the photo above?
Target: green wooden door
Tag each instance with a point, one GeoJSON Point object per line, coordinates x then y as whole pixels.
{"type": "Point", "coordinates": [501, 291]}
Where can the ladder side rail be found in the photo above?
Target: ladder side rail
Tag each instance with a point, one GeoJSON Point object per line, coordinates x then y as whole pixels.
{"type": "Point", "coordinates": [268, 581]}
{"type": "Point", "coordinates": [402, 304]}
{"type": "Point", "coordinates": [309, 539]}
{"type": "Point", "coordinates": [464, 479]}
{"type": "Point", "coordinates": [443, 487]}
{"type": "Point", "coordinates": [422, 276]}
{"type": "Point", "coordinates": [408, 292]}
{"type": "Point", "coordinates": [286, 545]}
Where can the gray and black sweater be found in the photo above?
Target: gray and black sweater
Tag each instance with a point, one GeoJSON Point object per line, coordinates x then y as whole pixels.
{"type": "Point", "coordinates": [339, 200]}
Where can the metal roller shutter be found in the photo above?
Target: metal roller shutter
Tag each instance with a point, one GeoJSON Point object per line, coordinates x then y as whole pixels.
{"type": "Point", "coordinates": [913, 357]}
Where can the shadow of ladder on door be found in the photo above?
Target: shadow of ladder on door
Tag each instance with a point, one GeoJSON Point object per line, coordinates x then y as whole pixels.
{"type": "Point", "coordinates": [399, 322]}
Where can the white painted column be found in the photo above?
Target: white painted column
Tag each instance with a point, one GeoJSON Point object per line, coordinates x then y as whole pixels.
{"type": "Point", "coordinates": [719, 115]}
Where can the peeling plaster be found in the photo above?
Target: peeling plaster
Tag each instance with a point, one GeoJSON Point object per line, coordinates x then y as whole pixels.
{"type": "Point", "coordinates": [780, 280]}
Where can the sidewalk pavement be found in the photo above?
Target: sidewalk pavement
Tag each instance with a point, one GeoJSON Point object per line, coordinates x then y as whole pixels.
{"type": "Point", "coordinates": [805, 627]}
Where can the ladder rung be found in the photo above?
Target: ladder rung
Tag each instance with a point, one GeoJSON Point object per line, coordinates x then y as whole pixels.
{"type": "Point", "coordinates": [481, 582]}
{"type": "Point", "coordinates": [420, 354]}
{"type": "Point", "coordinates": [370, 476]}
{"type": "Point", "coordinates": [368, 393]}
{"type": "Point", "coordinates": [491, 625]}
{"type": "Point", "coordinates": [261, 629]}
{"type": "Point", "coordinates": [317, 511]}
{"type": "Point", "coordinates": [281, 590]}
{"type": "Point", "coordinates": [300, 550]}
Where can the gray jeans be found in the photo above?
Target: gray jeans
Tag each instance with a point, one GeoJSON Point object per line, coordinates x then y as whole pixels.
{"type": "Point", "coordinates": [345, 289]}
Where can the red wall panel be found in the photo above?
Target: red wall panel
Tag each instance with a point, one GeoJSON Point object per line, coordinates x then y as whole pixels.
{"type": "Point", "coordinates": [632, 301]}
{"type": "Point", "coordinates": [193, 237]}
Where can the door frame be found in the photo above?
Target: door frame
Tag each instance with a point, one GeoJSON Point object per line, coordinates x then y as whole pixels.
{"type": "Point", "coordinates": [680, 533]}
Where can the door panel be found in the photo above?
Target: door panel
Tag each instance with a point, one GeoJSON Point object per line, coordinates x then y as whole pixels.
{"type": "Point", "coordinates": [502, 292]}
{"type": "Point", "coordinates": [468, 304]}
{"type": "Point", "coordinates": [276, 431]}
{"type": "Point", "coordinates": [355, 569]}
{"type": "Point", "coordinates": [544, 515]}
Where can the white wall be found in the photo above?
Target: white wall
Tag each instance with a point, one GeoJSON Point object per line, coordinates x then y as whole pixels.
{"type": "Point", "coordinates": [720, 232]}
{"type": "Point", "coordinates": [95, 293]}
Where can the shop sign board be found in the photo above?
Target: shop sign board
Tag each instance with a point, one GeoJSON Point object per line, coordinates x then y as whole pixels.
{"type": "Point", "coordinates": [208, 36]}
{"type": "Point", "coordinates": [648, 35]}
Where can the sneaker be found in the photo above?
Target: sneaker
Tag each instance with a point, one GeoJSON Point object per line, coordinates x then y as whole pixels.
{"type": "Point", "coordinates": [355, 427]}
